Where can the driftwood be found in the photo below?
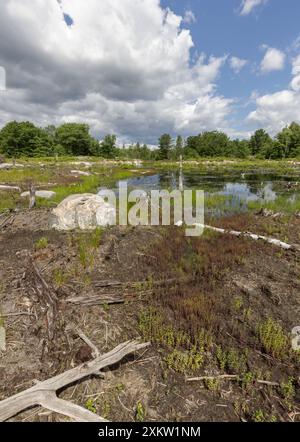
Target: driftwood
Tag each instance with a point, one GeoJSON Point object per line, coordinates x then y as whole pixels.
{"type": "Point", "coordinates": [275, 242]}
{"type": "Point", "coordinates": [7, 221]}
{"type": "Point", "coordinates": [47, 295]}
{"type": "Point", "coordinates": [44, 393]}
{"type": "Point", "coordinates": [94, 300]}
{"type": "Point", "coordinates": [159, 283]}
{"type": "Point", "coordinates": [32, 193]}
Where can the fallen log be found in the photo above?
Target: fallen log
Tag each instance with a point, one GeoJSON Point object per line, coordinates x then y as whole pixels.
{"type": "Point", "coordinates": [45, 393]}
{"type": "Point", "coordinates": [275, 242]}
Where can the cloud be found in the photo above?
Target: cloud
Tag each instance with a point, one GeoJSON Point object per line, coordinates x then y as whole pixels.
{"type": "Point", "coordinates": [189, 17]}
{"type": "Point", "coordinates": [275, 111]}
{"type": "Point", "coordinates": [122, 67]}
{"type": "Point", "coordinates": [237, 64]}
{"type": "Point", "coordinates": [274, 60]}
{"type": "Point", "coordinates": [248, 6]}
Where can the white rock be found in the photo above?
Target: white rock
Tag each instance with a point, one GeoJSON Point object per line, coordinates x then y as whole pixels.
{"type": "Point", "coordinates": [85, 212]}
{"type": "Point", "coordinates": [47, 194]}
{"type": "Point", "coordinates": [80, 172]}
{"type": "Point", "coordinates": [5, 187]}
{"type": "Point", "coordinates": [82, 163]}
{"type": "Point", "coordinates": [9, 165]}
{"type": "Point", "coordinates": [6, 166]}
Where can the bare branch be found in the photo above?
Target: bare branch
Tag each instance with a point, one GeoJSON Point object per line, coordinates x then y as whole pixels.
{"type": "Point", "coordinates": [43, 393]}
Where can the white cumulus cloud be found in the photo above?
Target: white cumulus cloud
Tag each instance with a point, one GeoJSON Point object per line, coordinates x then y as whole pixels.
{"type": "Point", "coordinates": [189, 17]}
{"type": "Point", "coordinates": [237, 64]}
{"type": "Point", "coordinates": [274, 60]}
{"type": "Point", "coordinates": [274, 111]}
{"type": "Point", "coordinates": [248, 6]}
{"type": "Point", "coordinates": [122, 67]}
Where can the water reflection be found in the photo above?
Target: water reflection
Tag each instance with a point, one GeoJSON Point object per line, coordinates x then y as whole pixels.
{"type": "Point", "coordinates": [239, 187]}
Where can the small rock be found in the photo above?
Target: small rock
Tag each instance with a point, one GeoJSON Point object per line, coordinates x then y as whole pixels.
{"type": "Point", "coordinates": [5, 187]}
{"type": "Point", "coordinates": [80, 172]}
{"type": "Point", "coordinates": [47, 194]}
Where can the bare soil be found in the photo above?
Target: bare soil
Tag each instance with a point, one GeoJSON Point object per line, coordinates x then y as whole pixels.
{"type": "Point", "coordinates": [225, 286]}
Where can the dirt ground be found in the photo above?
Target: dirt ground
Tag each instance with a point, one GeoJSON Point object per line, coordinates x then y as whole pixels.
{"type": "Point", "coordinates": [224, 288]}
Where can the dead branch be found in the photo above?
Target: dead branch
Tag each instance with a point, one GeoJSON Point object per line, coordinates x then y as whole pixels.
{"type": "Point", "coordinates": [159, 283]}
{"type": "Point", "coordinates": [47, 295]}
{"type": "Point", "coordinates": [8, 315]}
{"type": "Point", "coordinates": [79, 332]}
{"type": "Point", "coordinates": [45, 393]}
{"type": "Point", "coordinates": [230, 377]}
{"type": "Point", "coordinates": [94, 300]}
{"type": "Point", "coordinates": [32, 193]}
{"type": "Point", "coordinates": [108, 284]}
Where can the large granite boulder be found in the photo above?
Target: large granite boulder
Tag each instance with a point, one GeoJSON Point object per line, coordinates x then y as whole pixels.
{"type": "Point", "coordinates": [85, 212]}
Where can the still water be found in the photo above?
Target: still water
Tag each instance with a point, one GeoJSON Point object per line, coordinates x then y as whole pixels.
{"type": "Point", "coordinates": [237, 188]}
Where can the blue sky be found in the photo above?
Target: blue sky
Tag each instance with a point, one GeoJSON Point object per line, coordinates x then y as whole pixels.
{"type": "Point", "coordinates": [219, 29]}
{"type": "Point", "coordinates": [140, 68]}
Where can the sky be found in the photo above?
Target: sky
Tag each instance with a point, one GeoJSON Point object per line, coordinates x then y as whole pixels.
{"type": "Point", "coordinates": [140, 68]}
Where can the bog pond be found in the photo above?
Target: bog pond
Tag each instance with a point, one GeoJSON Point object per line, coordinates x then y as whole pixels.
{"type": "Point", "coordinates": [229, 191]}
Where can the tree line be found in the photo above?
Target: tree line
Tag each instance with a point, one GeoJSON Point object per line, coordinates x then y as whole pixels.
{"type": "Point", "coordinates": [24, 139]}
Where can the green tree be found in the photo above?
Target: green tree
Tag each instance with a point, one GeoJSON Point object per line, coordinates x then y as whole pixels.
{"type": "Point", "coordinates": [24, 139]}
{"type": "Point", "coordinates": [179, 146]}
{"type": "Point", "coordinates": [74, 138]}
{"type": "Point", "coordinates": [108, 146]}
{"type": "Point", "coordinates": [259, 142]}
{"type": "Point", "coordinates": [209, 144]}
{"type": "Point", "coordinates": [165, 146]}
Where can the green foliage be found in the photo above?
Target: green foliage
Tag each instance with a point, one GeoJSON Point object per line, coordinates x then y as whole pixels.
{"type": "Point", "coordinates": [212, 384]}
{"type": "Point", "coordinates": [231, 360]}
{"type": "Point", "coordinates": [288, 391]}
{"type": "Point", "coordinates": [140, 412]}
{"type": "Point", "coordinates": [42, 243]}
{"type": "Point", "coordinates": [185, 361]}
{"type": "Point", "coordinates": [259, 141]}
{"type": "Point", "coordinates": [260, 416]}
{"type": "Point", "coordinates": [74, 138]}
{"type": "Point", "coordinates": [273, 338]}
{"type": "Point", "coordinates": [107, 147]}
{"type": "Point", "coordinates": [24, 139]}
{"type": "Point", "coordinates": [90, 405]}
{"type": "Point", "coordinates": [165, 147]}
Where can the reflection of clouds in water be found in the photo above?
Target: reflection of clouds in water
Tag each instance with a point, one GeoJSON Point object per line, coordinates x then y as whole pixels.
{"type": "Point", "coordinates": [257, 187]}
{"type": "Point", "coordinates": [243, 192]}
{"type": "Point", "coordinates": [267, 193]}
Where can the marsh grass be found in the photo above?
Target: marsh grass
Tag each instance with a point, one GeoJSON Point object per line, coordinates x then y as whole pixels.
{"type": "Point", "coordinates": [273, 339]}
{"type": "Point", "coordinates": [42, 243]}
{"type": "Point", "coordinates": [282, 204]}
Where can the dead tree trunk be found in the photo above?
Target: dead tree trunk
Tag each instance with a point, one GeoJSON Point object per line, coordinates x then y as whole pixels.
{"type": "Point", "coordinates": [44, 393]}
{"type": "Point", "coordinates": [31, 197]}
